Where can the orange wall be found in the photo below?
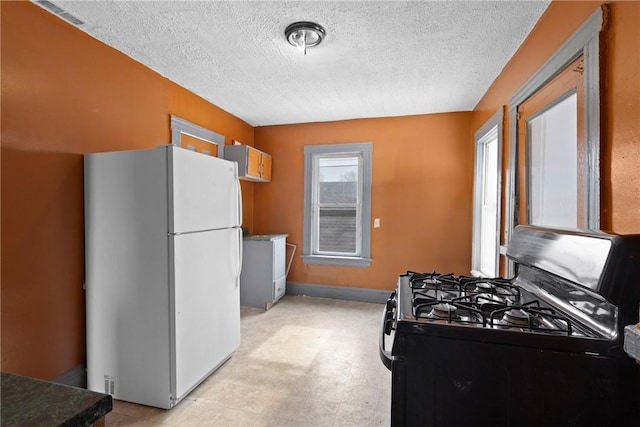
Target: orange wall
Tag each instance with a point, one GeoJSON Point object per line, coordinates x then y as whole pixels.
{"type": "Point", "coordinates": [620, 150]}
{"type": "Point", "coordinates": [421, 191]}
{"type": "Point", "coordinates": [65, 94]}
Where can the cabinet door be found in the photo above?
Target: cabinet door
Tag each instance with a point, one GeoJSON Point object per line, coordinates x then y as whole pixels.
{"type": "Point", "coordinates": [266, 166]}
{"type": "Point", "coordinates": [253, 162]}
{"type": "Point", "coordinates": [279, 261]}
{"type": "Point", "coordinates": [279, 270]}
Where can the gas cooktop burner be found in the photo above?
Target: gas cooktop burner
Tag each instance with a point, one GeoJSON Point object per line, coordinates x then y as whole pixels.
{"type": "Point", "coordinates": [516, 317]}
{"type": "Point", "coordinates": [432, 280]}
{"type": "Point", "coordinates": [484, 287]}
{"type": "Point", "coordinates": [495, 289]}
{"type": "Point", "coordinates": [434, 286]}
{"type": "Point", "coordinates": [443, 310]}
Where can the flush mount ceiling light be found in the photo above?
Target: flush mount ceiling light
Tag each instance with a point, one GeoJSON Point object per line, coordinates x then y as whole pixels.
{"type": "Point", "coordinates": [304, 34]}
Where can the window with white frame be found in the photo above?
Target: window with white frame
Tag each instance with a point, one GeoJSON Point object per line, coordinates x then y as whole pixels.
{"type": "Point", "coordinates": [337, 201]}
{"type": "Point", "coordinates": [585, 42]}
{"type": "Point", "coordinates": [486, 201]}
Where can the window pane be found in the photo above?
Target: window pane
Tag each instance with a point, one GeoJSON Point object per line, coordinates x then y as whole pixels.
{"type": "Point", "coordinates": [337, 230]}
{"type": "Point", "coordinates": [490, 172]}
{"type": "Point", "coordinates": [489, 212]}
{"type": "Point", "coordinates": [338, 180]}
{"type": "Point", "coordinates": [553, 170]}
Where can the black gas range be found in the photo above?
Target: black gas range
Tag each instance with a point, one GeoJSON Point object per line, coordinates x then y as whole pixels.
{"type": "Point", "coordinates": [542, 348]}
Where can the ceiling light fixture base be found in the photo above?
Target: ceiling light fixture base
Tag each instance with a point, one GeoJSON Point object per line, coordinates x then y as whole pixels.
{"type": "Point", "coordinates": [304, 34]}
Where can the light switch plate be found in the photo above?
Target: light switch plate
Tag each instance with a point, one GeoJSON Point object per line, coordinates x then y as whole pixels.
{"type": "Point", "coordinates": [376, 223]}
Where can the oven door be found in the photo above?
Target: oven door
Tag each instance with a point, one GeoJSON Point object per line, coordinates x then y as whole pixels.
{"type": "Point", "coordinates": [440, 380]}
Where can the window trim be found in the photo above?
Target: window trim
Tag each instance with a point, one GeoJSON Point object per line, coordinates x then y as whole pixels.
{"type": "Point", "coordinates": [181, 126]}
{"type": "Point", "coordinates": [480, 136]}
{"type": "Point", "coordinates": [585, 41]}
{"type": "Point", "coordinates": [363, 150]}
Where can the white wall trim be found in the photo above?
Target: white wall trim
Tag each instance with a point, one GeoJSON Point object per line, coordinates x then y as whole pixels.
{"type": "Point", "coordinates": [496, 121]}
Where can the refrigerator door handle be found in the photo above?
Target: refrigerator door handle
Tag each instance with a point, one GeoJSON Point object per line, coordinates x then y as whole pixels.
{"type": "Point", "coordinates": [239, 197]}
{"type": "Point", "coordinates": [239, 256]}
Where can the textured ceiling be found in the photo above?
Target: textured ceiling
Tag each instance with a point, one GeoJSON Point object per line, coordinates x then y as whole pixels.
{"type": "Point", "coordinates": [379, 58]}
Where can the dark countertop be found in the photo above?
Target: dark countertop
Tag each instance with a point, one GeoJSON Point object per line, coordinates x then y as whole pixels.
{"type": "Point", "coordinates": [31, 402]}
{"type": "Point", "coordinates": [264, 237]}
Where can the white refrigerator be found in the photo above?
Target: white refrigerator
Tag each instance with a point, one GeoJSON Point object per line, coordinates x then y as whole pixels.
{"type": "Point", "coordinates": [163, 256]}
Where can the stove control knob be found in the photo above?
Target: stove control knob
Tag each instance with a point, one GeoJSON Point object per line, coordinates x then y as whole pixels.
{"type": "Point", "coordinates": [388, 322]}
{"type": "Point", "coordinates": [391, 304]}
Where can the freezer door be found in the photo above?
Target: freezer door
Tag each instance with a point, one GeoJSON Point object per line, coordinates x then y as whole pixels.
{"type": "Point", "coordinates": [206, 306]}
{"type": "Point", "coordinates": [204, 192]}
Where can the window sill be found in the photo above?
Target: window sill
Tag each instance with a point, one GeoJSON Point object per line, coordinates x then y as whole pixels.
{"type": "Point", "coordinates": [336, 260]}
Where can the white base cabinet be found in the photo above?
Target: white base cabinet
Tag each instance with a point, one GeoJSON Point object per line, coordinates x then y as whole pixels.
{"type": "Point", "coordinates": [263, 276]}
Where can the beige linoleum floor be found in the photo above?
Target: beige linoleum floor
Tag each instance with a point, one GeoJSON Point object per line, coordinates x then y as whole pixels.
{"type": "Point", "coordinates": [306, 362]}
